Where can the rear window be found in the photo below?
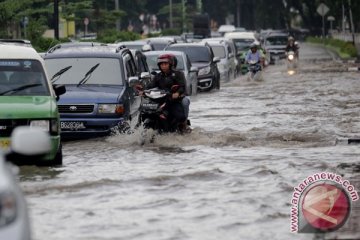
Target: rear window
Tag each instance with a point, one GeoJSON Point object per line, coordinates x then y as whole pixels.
{"type": "Point", "coordinates": [22, 78]}
{"type": "Point", "coordinates": [195, 53]}
{"type": "Point", "coordinates": [107, 72]}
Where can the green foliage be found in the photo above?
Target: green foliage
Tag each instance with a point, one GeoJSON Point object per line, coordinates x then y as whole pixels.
{"type": "Point", "coordinates": [170, 32]}
{"type": "Point", "coordinates": [42, 44]}
{"type": "Point", "coordinates": [343, 48]}
{"type": "Point", "coordinates": [111, 36]}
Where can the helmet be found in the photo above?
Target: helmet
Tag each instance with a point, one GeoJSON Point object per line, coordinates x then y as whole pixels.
{"type": "Point", "coordinates": [166, 58]}
{"type": "Point", "coordinates": [253, 45]}
{"type": "Point", "coordinates": [291, 39]}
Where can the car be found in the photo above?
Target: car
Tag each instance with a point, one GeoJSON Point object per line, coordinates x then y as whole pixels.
{"type": "Point", "coordinates": [223, 29]}
{"type": "Point", "coordinates": [201, 56]}
{"type": "Point", "coordinates": [27, 97]}
{"type": "Point", "coordinates": [183, 64]}
{"type": "Point", "coordinates": [160, 43]}
{"type": "Point", "coordinates": [99, 100]}
{"type": "Point", "coordinates": [225, 50]}
{"type": "Point", "coordinates": [275, 44]}
{"type": "Point", "coordinates": [242, 41]}
{"type": "Point", "coordinates": [141, 45]}
{"type": "Point", "coordinates": [26, 143]}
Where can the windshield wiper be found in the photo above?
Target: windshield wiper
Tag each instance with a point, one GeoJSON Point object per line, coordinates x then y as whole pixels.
{"type": "Point", "coordinates": [21, 88]}
{"type": "Point", "coordinates": [59, 73]}
{"type": "Point", "coordinates": [88, 74]}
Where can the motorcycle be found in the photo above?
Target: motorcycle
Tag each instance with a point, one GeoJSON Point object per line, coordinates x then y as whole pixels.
{"type": "Point", "coordinates": [291, 60]}
{"type": "Point", "coordinates": [155, 113]}
{"type": "Point", "coordinates": [255, 71]}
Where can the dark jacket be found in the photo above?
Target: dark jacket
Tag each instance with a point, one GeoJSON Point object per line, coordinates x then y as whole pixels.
{"type": "Point", "coordinates": [166, 81]}
{"type": "Point", "coordinates": [293, 48]}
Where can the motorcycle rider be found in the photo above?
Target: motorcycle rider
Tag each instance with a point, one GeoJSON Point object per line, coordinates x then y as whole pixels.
{"type": "Point", "coordinates": [255, 54]}
{"type": "Point", "coordinates": [165, 80]}
{"type": "Point", "coordinates": [292, 46]}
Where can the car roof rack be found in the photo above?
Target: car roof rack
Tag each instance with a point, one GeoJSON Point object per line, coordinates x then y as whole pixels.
{"type": "Point", "coordinates": [122, 46]}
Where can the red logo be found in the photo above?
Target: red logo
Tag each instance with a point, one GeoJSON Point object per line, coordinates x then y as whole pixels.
{"type": "Point", "coordinates": [326, 207]}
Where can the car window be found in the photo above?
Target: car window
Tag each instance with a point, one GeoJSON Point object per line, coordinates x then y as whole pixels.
{"type": "Point", "coordinates": [279, 40]}
{"type": "Point", "coordinates": [195, 53]}
{"type": "Point", "coordinates": [23, 78]}
{"type": "Point", "coordinates": [109, 67]}
{"type": "Point", "coordinates": [152, 62]}
{"type": "Point", "coordinates": [219, 51]}
{"type": "Point", "coordinates": [159, 46]}
{"type": "Point", "coordinates": [243, 44]}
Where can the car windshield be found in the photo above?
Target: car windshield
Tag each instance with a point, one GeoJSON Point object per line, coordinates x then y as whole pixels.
{"type": "Point", "coordinates": [219, 51]}
{"type": "Point", "coordinates": [23, 78]}
{"type": "Point", "coordinates": [159, 46]}
{"type": "Point", "coordinates": [276, 40]}
{"type": "Point", "coordinates": [152, 62]}
{"type": "Point", "coordinates": [243, 44]}
{"type": "Point", "coordinates": [195, 53]}
{"type": "Point", "coordinates": [108, 72]}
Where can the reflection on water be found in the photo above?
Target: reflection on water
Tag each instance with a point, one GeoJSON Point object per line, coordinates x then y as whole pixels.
{"type": "Point", "coordinates": [231, 178]}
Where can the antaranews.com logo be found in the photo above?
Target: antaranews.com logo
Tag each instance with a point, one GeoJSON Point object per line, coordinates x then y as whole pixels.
{"type": "Point", "coordinates": [321, 203]}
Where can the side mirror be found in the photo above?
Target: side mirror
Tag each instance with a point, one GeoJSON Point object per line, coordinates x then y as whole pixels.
{"type": "Point", "coordinates": [145, 76]}
{"type": "Point", "coordinates": [133, 81]}
{"type": "Point", "coordinates": [216, 59]}
{"type": "Point", "coordinates": [194, 69]}
{"type": "Point", "coordinates": [28, 143]}
{"type": "Point", "coordinates": [59, 90]}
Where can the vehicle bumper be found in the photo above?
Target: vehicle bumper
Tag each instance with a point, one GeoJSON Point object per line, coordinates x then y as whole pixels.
{"type": "Point", "coordinates": [205, 82]}
{"type": "Point", "coordinates": [88, 127]}
{"type": "Point", "coordinates": [55, 144]}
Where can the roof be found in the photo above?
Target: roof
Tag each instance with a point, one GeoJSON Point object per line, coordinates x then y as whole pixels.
{"type": "Point", "coordinates": [11, 51]}
{"type": "Point", "coordinates": [240, 35]}
{"type": "Point", "coordinates": [87, 51]}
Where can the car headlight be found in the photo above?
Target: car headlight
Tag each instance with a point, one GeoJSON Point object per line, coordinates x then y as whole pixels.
{"type": "Point", "coordinates": [205, 70]}
{"type": "Point", "coordinates": [7, 208]}
{"type": "Point", "coordinates": [111, 108]}
{"type": "Point", "coordinates": [43, 124]}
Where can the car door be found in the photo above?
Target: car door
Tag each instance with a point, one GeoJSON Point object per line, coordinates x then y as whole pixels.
{"type": "Point", "coordinates": [132, 99]}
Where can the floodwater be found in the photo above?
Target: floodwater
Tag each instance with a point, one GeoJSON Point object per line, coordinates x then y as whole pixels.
{"type": "Point", "coordinates": [231, 178]}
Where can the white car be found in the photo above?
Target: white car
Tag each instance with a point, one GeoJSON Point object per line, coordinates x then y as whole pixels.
{"type": "Point", "coordinates": [26, 142]}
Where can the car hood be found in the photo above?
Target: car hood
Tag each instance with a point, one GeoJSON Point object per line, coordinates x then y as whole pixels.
{"type": "Point", "coordinates": [92, 94]}
{"type": "Point", "coordinates": [16, 107]}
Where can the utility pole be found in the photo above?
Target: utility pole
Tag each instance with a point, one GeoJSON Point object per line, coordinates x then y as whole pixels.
{"type": "Point", "coordinates": [171, 14]}
{"type": "Point", "coordinates": [238, 13]}
{"type": "Point", "coordinates": [56, 19]}
{"type": "Point", "coordinates": [117, 20]}
{"type": "Point", "coordinates": [351, 23]}
{"type": "Point", "coordinates": [183, 15]}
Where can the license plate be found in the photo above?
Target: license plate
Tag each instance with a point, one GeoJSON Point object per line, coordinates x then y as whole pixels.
{"type": "Point", "coordinates": [4, 144]}
{"type": "Point", "coordinates": [72, 125]}
{"type": "Point", "coordinates": [152, 106]}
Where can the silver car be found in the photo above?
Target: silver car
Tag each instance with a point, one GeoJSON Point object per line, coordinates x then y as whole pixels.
{"type": "Point", "coordinates": [225, 50]}
{"type": "Point", "coordinates": [183, 64]}
{"type": "Point", "coordinates": [14, 219]}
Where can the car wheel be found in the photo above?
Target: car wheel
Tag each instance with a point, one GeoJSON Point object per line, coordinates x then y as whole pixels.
{"type": "Point", "coordinates": [58, 160]}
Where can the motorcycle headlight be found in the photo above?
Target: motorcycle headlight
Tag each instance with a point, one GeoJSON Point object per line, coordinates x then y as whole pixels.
{"type": "Point", "coordinates": [291, 57]}
{"type": "Point", "coordinates": [8, 206]}
{"type": "Point", "coordinates": [205, 70]}
{"type": "Point", "coordinates": [43, 124]}
{"type": "Point", "coordinates": [111, 108]}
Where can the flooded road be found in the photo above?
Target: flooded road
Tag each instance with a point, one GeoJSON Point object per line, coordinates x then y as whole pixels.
{"type": "Point", "coordinates": [231, 178]}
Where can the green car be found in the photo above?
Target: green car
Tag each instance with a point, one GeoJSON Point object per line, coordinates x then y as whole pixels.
{"type": "Point", "coordinates": [27, 97]}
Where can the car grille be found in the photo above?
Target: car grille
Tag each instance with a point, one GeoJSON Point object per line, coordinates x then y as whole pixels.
{"type": "Point", "coordinates": [8, 125]}
{"type": "Point", "coordinates": [76, 108]}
